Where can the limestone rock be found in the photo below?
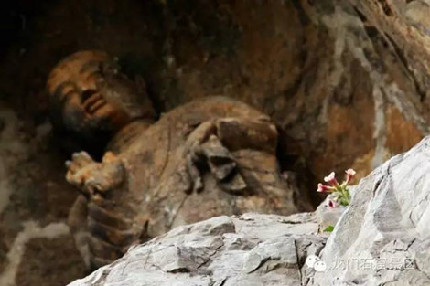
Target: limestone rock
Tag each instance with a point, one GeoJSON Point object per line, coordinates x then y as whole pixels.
{"type": "Point", "coordinates": [384, 235]}
{"type": "Point", "coordinates": [328, 216]}
{"type": "Point", "coordinates": [382, 238]}
{"type": "Point", "coordinates": [341, 79]}
{"type": "Point", "coordinates": [248, 250]}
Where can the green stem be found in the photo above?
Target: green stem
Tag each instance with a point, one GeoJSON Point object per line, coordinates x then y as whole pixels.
{"type": "Point", "coordinates": [345, 195]}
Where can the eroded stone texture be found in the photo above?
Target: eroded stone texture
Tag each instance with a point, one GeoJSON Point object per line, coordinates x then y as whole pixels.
{"type": "Point", "coordinates": [173, 173]}
{"type": "Point", "coordinates": [382, 238]}
{"type": "Point", "coordinates": [320, 69]}
{"type": "Point", "coordinates": [323, 72]}
{"type": "Point", "coordinates": [247, 250]}
{"type": "Point", "coordinates": [210, 157]}
{"type": "Point", "coordinates": [298, 61]}
{"type": "Point", "coordinates": [90, 100]}
{"type": "Point", "coordinates": [405, 26]}
{"type": "Point", "coordinates": [34, 204]}
{"type": "Point", "coordinates": [386, 226]}
{"type": "Point", "coordinates": [40, 256]}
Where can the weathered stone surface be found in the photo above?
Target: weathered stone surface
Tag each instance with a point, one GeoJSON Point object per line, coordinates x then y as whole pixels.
{"type": "Point", "coordinates": [210, 157]}
{"type": "Point", "coordinates": [405, 25]}
{"type": "Point", "coordinates": [247, 250]}
{"type": "Point", "coordinates": [328, 216]}
{"type": "Point", "coordinates": [35, 244]}
{"type": "Point", "coordinates": [320, 71]}
{"type": "Point", "coordinates": [335, 81]}
{"type": "Point", "coordinates": [382, 238]}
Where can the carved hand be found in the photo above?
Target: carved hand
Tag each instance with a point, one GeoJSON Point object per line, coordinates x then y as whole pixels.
{"type": "Point", "coordinates": [205, 148]}
{"type": "Point", "coordinates": [95, 178]}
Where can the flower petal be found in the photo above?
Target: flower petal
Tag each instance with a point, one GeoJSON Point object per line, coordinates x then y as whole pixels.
{"type": "Point", "coordinates": [330, 177]}
{"type": "Point", "coordinates": [350, 172]}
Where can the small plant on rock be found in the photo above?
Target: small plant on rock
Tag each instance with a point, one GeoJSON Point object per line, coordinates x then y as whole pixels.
{"type": "Point", "coordinates": [340, 192]}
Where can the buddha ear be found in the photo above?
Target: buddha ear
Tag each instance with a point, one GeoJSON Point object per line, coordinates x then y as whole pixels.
{"type": "Point", "coordinates": [140, 83]}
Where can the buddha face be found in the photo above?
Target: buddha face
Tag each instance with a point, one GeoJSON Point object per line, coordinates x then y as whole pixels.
{"type": "Point", "coordinates": [90, 97]}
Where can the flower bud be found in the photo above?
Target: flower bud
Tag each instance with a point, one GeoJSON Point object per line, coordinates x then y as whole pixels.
{"type": "Point", "coordinates": [322, 188]}
{"type": "Point", "coordinates": [331, 179]}
{"type": "Point", "coordinates": [350, 173]}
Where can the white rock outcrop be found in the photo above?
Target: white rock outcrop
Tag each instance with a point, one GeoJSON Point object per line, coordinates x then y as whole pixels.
{"type": "Point", "coordinates": [248, 250]}
{"type": "Point", "coordinates": [383, 238]}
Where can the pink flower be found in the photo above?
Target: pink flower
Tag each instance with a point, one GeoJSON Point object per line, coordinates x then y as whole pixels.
{"type": "Point", "coordinates": [322, 188]}
{"type": "Point", "coordinates": [350, 173]}
{"type": "Point", "coordinates": [331, 179]}
{"type": "Point", "coordinates": [332, 204]}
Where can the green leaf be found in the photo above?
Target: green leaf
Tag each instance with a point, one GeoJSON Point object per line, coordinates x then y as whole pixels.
{"type": "Point", "coordinates": [344, 202]}
{"type": "Point", "coordinates": [329, 228]}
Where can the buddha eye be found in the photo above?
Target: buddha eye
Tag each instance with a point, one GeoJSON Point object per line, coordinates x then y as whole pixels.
{"type": "Point", "coordinates": [85, 94]}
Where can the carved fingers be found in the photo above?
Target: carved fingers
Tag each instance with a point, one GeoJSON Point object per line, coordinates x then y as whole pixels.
{"type": "Point", "coordinates": [206, 153]}
{"type": "Point", "coordinates": [110, 228]}
{"type": "Point", "coordinates": [211, 148]}
{"type": "Point", "coordinates": [112, 233]}
{"type": "Point", "coordinates": [101, 234]}
{"type": "Point", "coordinates": [80, 168]}
{"type": "Point", "coordinates": [220, 160]}
{"type": "Point", "coordinates": [95, 178]}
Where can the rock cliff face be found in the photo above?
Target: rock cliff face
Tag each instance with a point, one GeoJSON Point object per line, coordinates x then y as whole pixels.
{"type": "Point", "coordinates": [346, 82]}
{"type": "Point", "coordinates": [381, 239]}
{"type": "Point", "coordinates": [337, 77]}
{"type": "Point", "coordinates": [384, 236]}
{"type": "Point", "coordinates": [34, 201]}
{"type": "Point", "coordinates": [247, 250]}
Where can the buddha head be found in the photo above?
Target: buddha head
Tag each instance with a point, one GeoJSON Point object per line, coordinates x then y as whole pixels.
{"type": "Point", "coordinates": [90, 99]}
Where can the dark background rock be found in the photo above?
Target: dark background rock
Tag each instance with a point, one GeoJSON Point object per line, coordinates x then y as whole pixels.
{"type": "Point", "coordinates": [345, 81]}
